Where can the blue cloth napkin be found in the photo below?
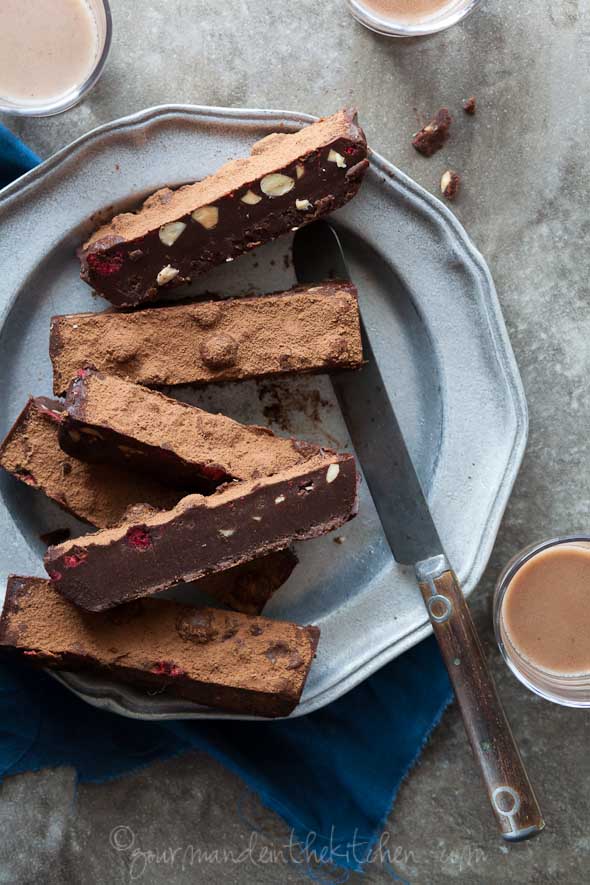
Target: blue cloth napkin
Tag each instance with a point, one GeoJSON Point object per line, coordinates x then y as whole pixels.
{"type": "Point", "coordinates": [333, 775]}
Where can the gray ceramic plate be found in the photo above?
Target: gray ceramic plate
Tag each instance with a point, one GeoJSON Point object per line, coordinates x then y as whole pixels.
{"type": "Point", "coordinates": [431, 309]}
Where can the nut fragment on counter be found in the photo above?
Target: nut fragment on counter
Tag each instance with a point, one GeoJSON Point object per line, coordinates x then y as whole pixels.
{"type": "Point", "coordinates": [449, 184]}
{"type": "Point", "coordinates": [432, 137]}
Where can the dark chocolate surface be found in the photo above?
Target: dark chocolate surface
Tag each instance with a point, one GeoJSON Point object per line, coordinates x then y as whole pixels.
{"type": "Point", "coordinates": [205, 535]}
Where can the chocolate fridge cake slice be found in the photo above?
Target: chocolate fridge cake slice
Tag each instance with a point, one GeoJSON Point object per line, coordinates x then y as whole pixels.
{"type": "Point", "coordinates": [98, 494]}
{"type": "Point", "coordinates": [202, 535]}
{"type": "Point", "coordinates": [103, 495]}
{"type": "Point", "coordinates": [287, 181]}
{"type": "Point", "coordinates": [309, 329]}
{"type": "Point", "coordinates": [108, 419]}
{"type": "Point", "coordinates": [245, 664]}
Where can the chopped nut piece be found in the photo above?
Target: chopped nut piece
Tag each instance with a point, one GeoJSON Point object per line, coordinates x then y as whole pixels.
{"type": "Point", "coordinates": [335, 157]}
{"type": "Point", "coordinates": [470, 105]}
{"type": "Point", "coordinates": [207, 216]}
{"type": "Point", "coordinates": [276, 184]}
{"type": "Point", "coordinates": [170, 232]}
{"type": "Point", "coordinates": [449, 184]}
{"type": "Point", "coordinates": [303, 205]}
{"type": "Point", "coordinates": [300, 170]}
{"type": "Point", "coordinates": [332, 472]}
{"type": "Point", "coordinates": [432, 137]}
{"type": "Point", "coordinates": [166, 275]}
{"type": "Point", "coordinates": [250, 198]}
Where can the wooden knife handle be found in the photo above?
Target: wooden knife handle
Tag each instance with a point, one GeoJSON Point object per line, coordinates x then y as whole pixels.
{"type": "Point", "coordinates": [510, 792]}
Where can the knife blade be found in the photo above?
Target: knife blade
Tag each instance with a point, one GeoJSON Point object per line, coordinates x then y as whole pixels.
{"type": "Point", "coordinates": [370, 417]}
{"type": "Point", "coordinates": [379, 443]}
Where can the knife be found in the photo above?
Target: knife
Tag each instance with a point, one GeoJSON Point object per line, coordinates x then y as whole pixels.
{"type": "Point", "coordinates": [410, 530]}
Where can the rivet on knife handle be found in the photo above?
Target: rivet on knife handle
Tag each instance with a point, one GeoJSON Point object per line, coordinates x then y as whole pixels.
{"type": "Point", "coordinates": [511, 795]}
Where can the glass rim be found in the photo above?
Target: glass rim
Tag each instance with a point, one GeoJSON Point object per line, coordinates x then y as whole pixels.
{"type": "Point", "coordinates": [77, 93]}
{"type": "Point", "coordinates": [389, 28]}
{"type": "Point", "coordinates": [563, 689]}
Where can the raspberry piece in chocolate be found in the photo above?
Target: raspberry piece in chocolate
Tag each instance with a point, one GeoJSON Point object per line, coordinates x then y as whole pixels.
{"type": "Point", "coordinates": [105, 265]}
{"type": "Point", "coordinates": [73, 560]}
{"type": "Point", "coordinates": [27, 477]}
{"type": "Point", "coordinates": [167, 668]}
{"type": "Point", "coordinates": [139, 538]}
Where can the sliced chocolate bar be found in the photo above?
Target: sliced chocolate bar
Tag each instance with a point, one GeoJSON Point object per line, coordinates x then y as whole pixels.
{"type": "Point", "coordinates": [233, 661]}
{"type": "Point", "coordinates": [311, 329]}
{"type": "Point", "coordinates": [202, 535]}
{"type": "Point", "coordinates": [98, 494]}
{"type": "Point", "coordinates": [104, 496]}
{"type": "Point", "coordinates": [289, 180]}
{"type": "Point", "coordinates": [108, 419]}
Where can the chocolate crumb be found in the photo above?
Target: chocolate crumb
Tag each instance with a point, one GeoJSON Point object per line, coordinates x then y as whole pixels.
{"type": "Point", "coordinates": [470, 105]}
{"type": "Point", "coordinates": [433, 136]}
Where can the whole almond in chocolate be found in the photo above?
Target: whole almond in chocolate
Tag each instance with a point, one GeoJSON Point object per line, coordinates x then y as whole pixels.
{"type": "Point", "coordinates": [288, 180]}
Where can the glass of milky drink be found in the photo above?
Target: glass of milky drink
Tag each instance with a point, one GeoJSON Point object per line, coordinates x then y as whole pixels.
{"type": "Point", "coordinates": [542, 619]}
{"type": "Point", "coordinates": [410, 18]}
{"type": "Point", "coordinates": [52, 53]}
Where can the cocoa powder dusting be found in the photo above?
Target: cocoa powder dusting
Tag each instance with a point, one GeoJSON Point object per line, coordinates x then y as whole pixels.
{"type": "Point", "coordinates": [164, 638]}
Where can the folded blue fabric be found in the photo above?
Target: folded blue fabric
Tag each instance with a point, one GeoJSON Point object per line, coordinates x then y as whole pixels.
{"type": "Point", "coordinates": [332, 775]}
{"type": "Point", "coordinates": [15, 157]}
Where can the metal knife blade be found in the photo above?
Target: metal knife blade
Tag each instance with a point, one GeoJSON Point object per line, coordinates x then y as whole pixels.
{"type": "Point", "coordinates": [370, 417]}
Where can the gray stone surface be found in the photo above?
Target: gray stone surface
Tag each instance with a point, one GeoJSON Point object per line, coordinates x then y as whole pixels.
{"type": "Point", "coordinates": [526, 170]}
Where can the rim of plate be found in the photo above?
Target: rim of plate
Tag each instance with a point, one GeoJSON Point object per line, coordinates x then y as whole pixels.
{"type": "Point", "coordinates": [114, 699]}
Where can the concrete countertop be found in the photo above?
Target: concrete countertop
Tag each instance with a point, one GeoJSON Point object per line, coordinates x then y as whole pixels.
{"type": "Point", "coordinates": [525, 164]}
